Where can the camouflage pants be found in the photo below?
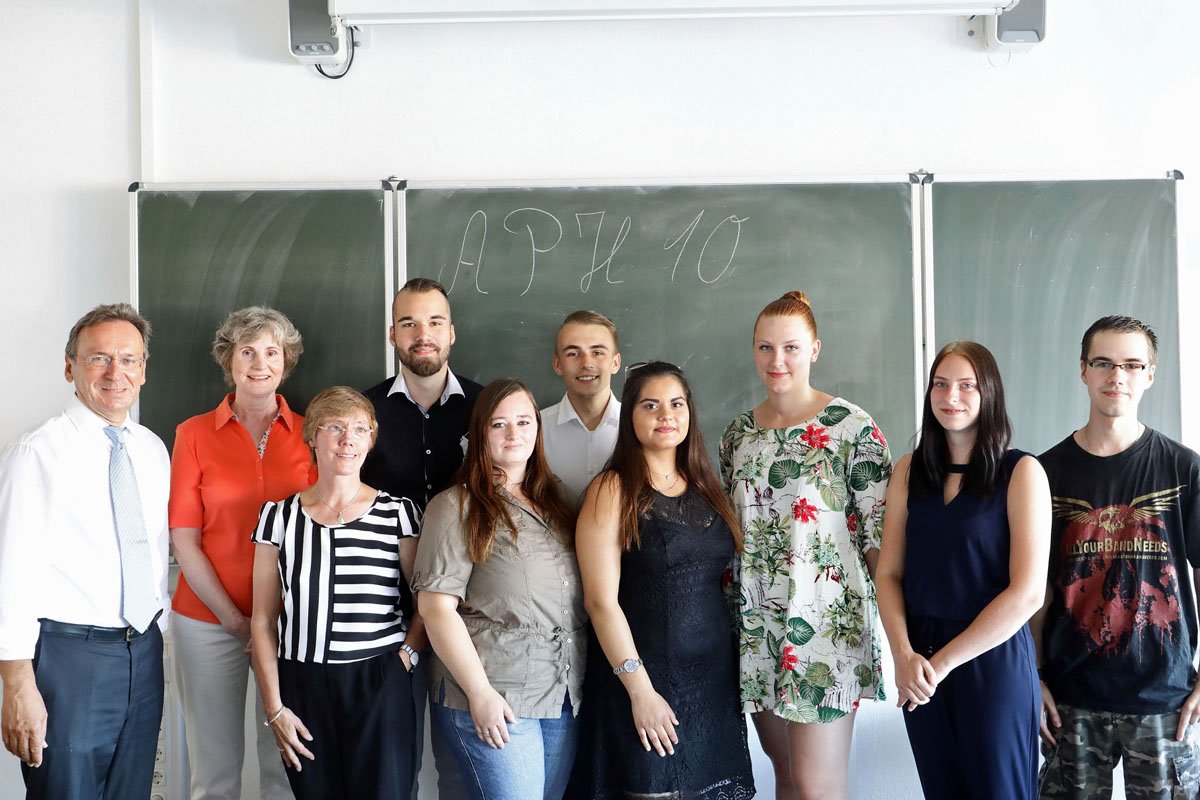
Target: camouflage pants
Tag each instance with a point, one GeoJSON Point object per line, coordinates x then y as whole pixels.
{"type": "Point", "coordinates": [1090, 743]}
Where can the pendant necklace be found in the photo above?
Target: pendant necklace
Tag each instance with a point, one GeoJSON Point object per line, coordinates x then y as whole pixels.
{"type": "Point", "coordinates": [341, 520]}
{"type": "Point", "coordinates": [664, 475]}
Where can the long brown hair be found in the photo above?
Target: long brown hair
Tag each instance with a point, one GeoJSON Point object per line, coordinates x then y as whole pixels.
{"type": "Point", "coordinates": [628, 464]}
{"type": "Point", "coordinates": [482, 480]}
{"type": "Point", "coordinates": [993, 432]}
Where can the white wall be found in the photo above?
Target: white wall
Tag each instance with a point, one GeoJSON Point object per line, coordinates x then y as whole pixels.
{"type": "Point", "coordinates": [68, 149]}
{"type": "Point", "coordinates": [1111, 93]}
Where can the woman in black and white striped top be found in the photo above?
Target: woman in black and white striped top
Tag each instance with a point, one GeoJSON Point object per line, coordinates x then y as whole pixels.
{"type": "Point", "coordinates": [333, 632]}
{"type": "Point", "coordinates": [341, 583]}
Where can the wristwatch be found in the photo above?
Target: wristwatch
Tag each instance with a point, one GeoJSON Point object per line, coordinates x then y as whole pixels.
{"type": "Point", "coordinates": [627, 666]}
{"type": "Point", "coordinates": [414, 657]}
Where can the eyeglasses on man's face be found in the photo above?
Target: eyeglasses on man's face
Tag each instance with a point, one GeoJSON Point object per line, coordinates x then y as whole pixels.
{"type": "Point", "coordinates": [103, 361]}
{"type": "Point", "coordinates": [1129, 367]}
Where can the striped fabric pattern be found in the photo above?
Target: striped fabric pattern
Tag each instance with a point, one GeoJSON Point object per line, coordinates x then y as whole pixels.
{"type": "Point", "coordinates": [341, 583]}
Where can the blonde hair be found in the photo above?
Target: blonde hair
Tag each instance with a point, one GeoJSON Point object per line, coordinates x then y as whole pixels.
{"type": "Point", "coordinates": [337, 401]}
{"type": "Point", "coordinates": [588, 317]}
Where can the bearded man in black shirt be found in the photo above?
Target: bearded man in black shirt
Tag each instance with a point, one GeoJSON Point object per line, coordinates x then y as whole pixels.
{"type": "Point", "coordinates": [423, 414]}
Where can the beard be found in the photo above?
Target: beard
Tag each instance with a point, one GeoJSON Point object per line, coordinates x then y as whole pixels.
{"type": "Point", "coordinates": [423, 366]}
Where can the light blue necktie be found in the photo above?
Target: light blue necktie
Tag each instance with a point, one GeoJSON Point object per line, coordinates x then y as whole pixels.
{"type": "Point", "coordinates": [138, 604]}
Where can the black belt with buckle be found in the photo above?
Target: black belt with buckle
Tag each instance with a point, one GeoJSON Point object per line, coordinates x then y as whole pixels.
{"type": "Point", "coordinates": [97, 633]}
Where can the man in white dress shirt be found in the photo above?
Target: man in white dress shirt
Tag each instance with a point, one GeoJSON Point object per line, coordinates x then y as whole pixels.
{"type": "Point", "coordinates": [579, 432]}
{"type": "Point", "coordinates": [83, 576]}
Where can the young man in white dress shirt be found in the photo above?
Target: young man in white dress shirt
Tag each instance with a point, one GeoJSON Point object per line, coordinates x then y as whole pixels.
{"type": "Point", "coordinates": [579, 432]}
{"type": "Point", "coordinates": [83, 576]}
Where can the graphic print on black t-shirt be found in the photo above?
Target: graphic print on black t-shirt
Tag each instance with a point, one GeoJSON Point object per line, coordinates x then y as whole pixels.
{"type": "Point", "coordinates": [1120, 630]}
{"type": "Point", "coordinates": [1118, 583]}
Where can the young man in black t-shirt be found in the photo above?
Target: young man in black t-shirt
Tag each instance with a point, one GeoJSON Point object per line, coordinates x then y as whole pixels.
{"type": "Point", "coordinates": [1120, 626]}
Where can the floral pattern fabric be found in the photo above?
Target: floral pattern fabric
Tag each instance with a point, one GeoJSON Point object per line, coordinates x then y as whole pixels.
{"type": "Point", "coordinates": [810, 500]}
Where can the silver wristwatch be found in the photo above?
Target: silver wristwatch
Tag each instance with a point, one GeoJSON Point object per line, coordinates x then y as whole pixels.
{"type": "Point", "coordinates": [627, 666]}
{"type": "Point", "coordinates": [414, 657]}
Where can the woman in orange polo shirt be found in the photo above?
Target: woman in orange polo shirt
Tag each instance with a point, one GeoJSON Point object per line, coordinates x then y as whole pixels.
{"type": "Point", "coordinates": [225, 465]}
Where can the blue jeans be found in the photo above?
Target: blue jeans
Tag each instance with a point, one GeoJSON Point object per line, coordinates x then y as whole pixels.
{"type": "Point", "coordinates": [536, 762]}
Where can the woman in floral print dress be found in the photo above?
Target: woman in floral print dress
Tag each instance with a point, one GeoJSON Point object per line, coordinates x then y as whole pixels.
{"type": "Point", "coordinates": [807, 473]}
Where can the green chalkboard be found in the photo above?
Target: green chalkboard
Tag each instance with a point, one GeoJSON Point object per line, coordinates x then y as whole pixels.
{"type": "Point", "coordinates": [683, 271]}
{"type": "Point", "coordinates": [317, 256]}
{"type": "Point", "coordinates": [1025, 268]}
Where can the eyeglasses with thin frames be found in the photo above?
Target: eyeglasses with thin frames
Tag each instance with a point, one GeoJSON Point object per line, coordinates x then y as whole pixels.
{"type": "Point", "coordinates": [104, 360]}
{"type": "Point", "coordinates": [1129, 367]}
{"type": "Point", "coordinates": [338, 431]}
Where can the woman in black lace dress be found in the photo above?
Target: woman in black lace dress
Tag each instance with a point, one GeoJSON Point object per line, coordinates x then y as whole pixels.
{"type": "Point", "coordinates": [655, 539]}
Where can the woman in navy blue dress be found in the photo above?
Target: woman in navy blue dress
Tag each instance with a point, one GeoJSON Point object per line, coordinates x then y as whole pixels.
{"type": "Point", "coordinates": [963, 568]}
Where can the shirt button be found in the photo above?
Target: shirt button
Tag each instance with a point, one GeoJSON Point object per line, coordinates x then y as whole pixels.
{"type": "Point", "coordinates": [568, 640]}
{"type": "Point", "coordinates": [428, 452]}
{"type": "Point", "coordinates": [566, 583]}
{"type": "Point", "coordinates": [568, 667]}
{"type": "Point", "coordinates": [429, 486]}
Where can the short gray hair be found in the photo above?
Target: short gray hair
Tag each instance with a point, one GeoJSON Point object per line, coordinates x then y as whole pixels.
{"type": "Point", "coordinates": [109, 312]}
{"type": "Point", "coordinates": [246, 325]}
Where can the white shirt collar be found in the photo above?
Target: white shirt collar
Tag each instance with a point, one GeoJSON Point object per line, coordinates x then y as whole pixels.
{"type": "Point", "coordinates": [453, 387]}
{"type": "Point", "coordinates": [86, 419]}
{"type": "Point", "coordinates": [567, 412]}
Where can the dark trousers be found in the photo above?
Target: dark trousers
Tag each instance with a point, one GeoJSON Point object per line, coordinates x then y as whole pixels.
{"type": "Point", "coordinates": [362, 720]}
{"type": "Point", "coordinates": [420, 692]}
{"type": "Point", "coordinates": [104, 702]}
{"type": "Point", "coordinates": [977, 738]}
{"type": "Point", "coordinates": [450, 785]}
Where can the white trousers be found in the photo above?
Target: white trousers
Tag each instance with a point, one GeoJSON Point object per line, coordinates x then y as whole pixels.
{"type": "Point", "coordinates": [210, 674]}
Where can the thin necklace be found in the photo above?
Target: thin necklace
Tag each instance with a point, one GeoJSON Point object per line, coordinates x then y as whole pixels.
{"type": "Point", "coordinates": [664, 475]}
{"type": "Point", "coordinates": [341, 520]}
{"type": "Point", "coordinates": [262, 443]}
